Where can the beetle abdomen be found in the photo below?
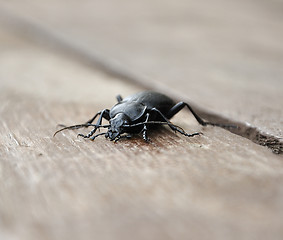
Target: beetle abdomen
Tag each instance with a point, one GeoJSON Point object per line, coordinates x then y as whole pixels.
{"type": "Point", "coordinates": [152, 99]}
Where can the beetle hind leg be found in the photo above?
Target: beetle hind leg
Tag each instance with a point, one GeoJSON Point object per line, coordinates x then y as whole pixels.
{"type": "Point", "coordinates": [174, 127]}
{"type": "Point", "coordinates": [180, 130]}
{"type": "Point", "coordinates": [180, 105]}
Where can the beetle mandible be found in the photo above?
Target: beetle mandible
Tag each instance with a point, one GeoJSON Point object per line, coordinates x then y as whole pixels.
{"type": "Point", "coordinates": [135, 114]}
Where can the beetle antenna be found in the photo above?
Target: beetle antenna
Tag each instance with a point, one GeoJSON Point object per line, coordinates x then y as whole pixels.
{"type": "Point", "coordinates": [171, 125]}
{"type": "Point", "coordinates": [174, 127]}
{"type": "Point", "coordinates": [150, 122]}
{"type": "Point", "coordinates": [80, 126]}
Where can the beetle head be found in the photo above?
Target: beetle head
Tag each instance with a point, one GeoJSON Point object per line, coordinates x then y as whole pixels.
{"type": "Point", "coordinates": [117, 126]}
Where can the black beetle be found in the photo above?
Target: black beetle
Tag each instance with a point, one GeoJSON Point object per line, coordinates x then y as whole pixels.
{"type": "Point", "coordinates": [135, 113]}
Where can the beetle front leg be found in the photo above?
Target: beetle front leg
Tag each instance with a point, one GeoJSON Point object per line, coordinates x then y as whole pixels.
{"type": "Point", "coordinates": [103, 114]}
{"type": "Point", "coordinates": [144, 131]}
{"type": "Point", "coordinates": [88, 135]}
{"type": "Point", "coordinates": [99, 134]}
{"type": "Point", "coordinates": [94, 117]}
{"type": "Point", "coordinates": [128, 136]}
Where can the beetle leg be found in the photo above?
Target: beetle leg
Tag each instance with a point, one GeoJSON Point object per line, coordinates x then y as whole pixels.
{"type": "Point", "coordinates": [171, 125]}
{"type": "Point", "coordinates": [180, 105]}
{"type": "Point", "coordinates": [88, 135]}
{"type": "Point", "coordinates": [119, 98]}
{"type": "Point", "coordinates": [104, 113]}
{"type": "Point", "coordinates": [93, 137]}
{"type": "Point", "coordinates": [94, 117]}
{"type": "Point", "coordinates": [122, 136]}
{"type": "Point", "coordinates": [144, 131]}
{"type": "Point", "coordinates": [174, 127]}
{"type": "Point", "coordinates": [116, 139]}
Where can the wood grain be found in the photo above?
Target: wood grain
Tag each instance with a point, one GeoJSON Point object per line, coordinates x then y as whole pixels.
{"type": "Point", "coordinates": [215, 186]}
{"type": "Point", "coordinates": [228, 65]}
{"type": "Point", "coordinates": [226, 56]}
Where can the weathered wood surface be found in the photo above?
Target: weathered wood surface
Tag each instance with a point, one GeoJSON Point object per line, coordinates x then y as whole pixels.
{"type": "Point", "coordinates": [216, 186]}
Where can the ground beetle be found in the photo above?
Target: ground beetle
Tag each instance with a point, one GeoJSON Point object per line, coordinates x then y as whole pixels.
{"type": "Point", "coordinates": [135, 114]}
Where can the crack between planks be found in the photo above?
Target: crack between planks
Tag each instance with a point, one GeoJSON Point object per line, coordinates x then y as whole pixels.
{"type": "Point", "coordinates": [42, 35]}
{"type": "Point", "coordinates": [247, 131]}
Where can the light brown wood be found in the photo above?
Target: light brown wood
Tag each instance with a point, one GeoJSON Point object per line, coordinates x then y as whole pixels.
{"type": "Point", "coordinates": [215, 186]}
{"type": "Point", "coordinates": [224, 56]}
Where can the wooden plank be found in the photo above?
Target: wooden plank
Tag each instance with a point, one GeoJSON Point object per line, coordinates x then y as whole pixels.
{"type": "Point", "coordinates": [226, 56]}
{"type": "Point", "coordinates": [216, 186]}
